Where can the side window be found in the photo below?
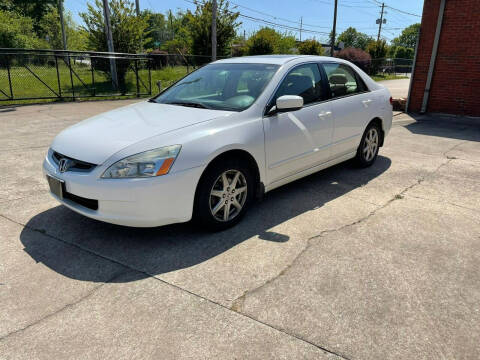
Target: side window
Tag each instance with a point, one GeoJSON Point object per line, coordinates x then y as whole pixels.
{"type": "Point", "coordinates": [342, 80]}
{"type": "Point", "coordinates": [304, 81]}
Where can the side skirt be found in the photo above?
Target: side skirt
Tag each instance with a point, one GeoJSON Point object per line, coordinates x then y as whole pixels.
{"type": "Point", "coordinates": [310, 171]}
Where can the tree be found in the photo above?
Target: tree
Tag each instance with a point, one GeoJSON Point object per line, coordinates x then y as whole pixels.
{"type": "Point", "coordinates": [34, 9]}
{"type": "Point", "coordinates": [377, 49]}
{"type": "Point", "coordinates": [16, 31]}
{"type": "Point", "coordinates": [128, 32]}
{"type": "Point", "coordinates": [403, 53]}
{"type": "Point", "coordinates": [286, 44]}
{"type": "Point", "coordinates": [400, 52]}
{"type": "Point", "coordinates": [200, 28]}
{"type": "Point", "coordinates": [310, 47]}
{"type": "Point", "coordinates": [354, 39]}
{"type": "Point", "coordinates": [51, 30]}
{"type": "Point", "coordinates": [268, 41]}
{"type": "Point", "coordinates": [391, 51]}
{"type": "Point", "coordinates": [180, 36]}
{"type": "Point", "coordinates": [410, 53]}
{"type": "Point", "coordinates": [157, 28]}
{"type": "Point", "coordinates": [408, 37]}
{"type": "Point", "coordinates": [239, 46]}
{"type": "Point", "coordinates": [262, 42]}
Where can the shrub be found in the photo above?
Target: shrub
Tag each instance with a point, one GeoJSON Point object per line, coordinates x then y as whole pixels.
{"type": "Point", "coordinates": [310, 47]}
{"type": "Point", "coordinates": [260, 44]}
{"type": "Point", "coordinates": [268, 41]}
{"type": "Point", "coordinates": [357, 56]}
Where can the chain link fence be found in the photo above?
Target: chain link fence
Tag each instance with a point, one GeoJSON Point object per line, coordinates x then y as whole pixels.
{"type": "Point", "coordinates": [30, 75]}
{"type": "Point", "coordinates": [385, 66]}
{"type": "Point", "coordinates": [69, 75]}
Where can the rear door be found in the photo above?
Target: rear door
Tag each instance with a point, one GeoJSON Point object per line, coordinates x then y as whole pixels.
{"type": "Point", "coordinates": [298, 140]}
{"type": "Point", "coordinates": [352, 104]}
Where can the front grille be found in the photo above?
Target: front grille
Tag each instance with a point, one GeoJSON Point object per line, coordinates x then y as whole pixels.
{"type": "Point", "coordinates": [88, 203]}
{"type": "Point", "coordinates": [78, 165]}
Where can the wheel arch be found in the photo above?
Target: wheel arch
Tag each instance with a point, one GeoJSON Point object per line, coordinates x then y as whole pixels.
{"type": "Point", "coordinates": [243, 155]}
{"type": "Point", "coordinates": [378, 121]}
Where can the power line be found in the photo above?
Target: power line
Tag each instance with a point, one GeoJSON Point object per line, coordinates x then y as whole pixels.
{"type": "Point", "coordinates": [283, 26]}
{"type": "Point", "coordinates": [267, 22]}
{"type": "Point", "coordinates": [395, 9]}
{"type": "Point", "coordinates": [276, 17]}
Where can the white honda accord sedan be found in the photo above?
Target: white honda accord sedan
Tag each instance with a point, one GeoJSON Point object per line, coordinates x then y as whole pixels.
{"type": "Point", "coordinates": [219, 138]}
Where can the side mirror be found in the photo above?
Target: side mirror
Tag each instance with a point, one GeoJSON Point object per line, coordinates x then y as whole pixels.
{"type": "Point", "coordinates": [289, 103]}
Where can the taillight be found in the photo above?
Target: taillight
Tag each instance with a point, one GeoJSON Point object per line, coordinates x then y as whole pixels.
{"type": "Point", "coordinates": [391, 100]}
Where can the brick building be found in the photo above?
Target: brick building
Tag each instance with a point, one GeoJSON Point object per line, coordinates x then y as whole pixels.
{"type": "Point", "coordinates": [455, 70]}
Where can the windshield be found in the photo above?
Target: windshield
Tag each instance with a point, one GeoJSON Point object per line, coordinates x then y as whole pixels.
{"type": "Point", "coordinates": [220, 86]}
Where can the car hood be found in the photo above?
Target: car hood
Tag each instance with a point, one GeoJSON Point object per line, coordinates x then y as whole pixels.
{"type": "Point", "coordinates": [96, 139]}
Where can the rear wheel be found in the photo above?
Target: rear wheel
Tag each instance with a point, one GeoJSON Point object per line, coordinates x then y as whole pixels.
{"type": "Point", "coordinates": [368, 150]}
{"type": "Point", "coordinates": [223, 195]}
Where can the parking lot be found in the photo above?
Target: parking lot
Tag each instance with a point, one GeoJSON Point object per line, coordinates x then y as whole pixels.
{"type": "Point", "coordinates": [376, 263]}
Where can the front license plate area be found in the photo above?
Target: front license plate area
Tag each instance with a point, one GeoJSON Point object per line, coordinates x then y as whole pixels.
{"type": "Point", "coordinates": [56, 186]}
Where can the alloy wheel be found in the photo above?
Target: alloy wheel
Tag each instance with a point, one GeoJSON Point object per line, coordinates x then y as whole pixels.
{"type": "Point", "coordinates": [228, 195]}
{"type": "Point", "coordinates": [370, 145]}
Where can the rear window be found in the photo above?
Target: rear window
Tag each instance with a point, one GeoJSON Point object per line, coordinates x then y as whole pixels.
{"type": "Point", "coordinates": [343, 80]}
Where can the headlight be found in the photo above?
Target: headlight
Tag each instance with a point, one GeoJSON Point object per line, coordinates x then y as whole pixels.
{"type": "Point", "coordinates": [150, 163]}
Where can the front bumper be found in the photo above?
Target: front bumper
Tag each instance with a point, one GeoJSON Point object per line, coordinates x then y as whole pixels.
{"type": "Point", "coordinates": [142, 202]}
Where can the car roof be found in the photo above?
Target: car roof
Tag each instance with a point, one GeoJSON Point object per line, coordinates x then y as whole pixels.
{"type": "Point", "coordinates": [273, 59]}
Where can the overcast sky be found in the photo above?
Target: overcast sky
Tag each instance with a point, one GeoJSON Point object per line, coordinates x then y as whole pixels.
{"type": "Point", "coordinates": [317, 14]}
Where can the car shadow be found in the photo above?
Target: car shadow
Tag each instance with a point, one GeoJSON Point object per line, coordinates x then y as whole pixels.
{"type": "Point", "coordinates": [448, 126]}
{"type": "Point", "coordinates": [155, 251]}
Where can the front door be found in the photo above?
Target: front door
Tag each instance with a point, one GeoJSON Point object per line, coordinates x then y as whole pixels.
{"type": "Point", "coordinates": [298, 140]}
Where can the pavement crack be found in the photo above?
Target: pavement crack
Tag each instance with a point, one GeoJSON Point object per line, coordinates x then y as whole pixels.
{"type": "Point", "coordinates": [63, 308]}
{"type": "Point", "coordinates": [453, 148]}
{"type": "Point", "coordinates": [238, 303]}
{"type": "Point", "coordinates": [445, 202]}
{"type": "Point", "coordinates": [215, 303]}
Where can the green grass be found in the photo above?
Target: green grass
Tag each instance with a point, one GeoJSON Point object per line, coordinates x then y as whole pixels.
{"type": "Point", "coordinates": [26, 85]}
{"type": "Point", "coordinates": [381, 77]}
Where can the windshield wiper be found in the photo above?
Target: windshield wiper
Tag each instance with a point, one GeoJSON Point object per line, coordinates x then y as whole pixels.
{"type": "Point", "coordinates": [189, 104]}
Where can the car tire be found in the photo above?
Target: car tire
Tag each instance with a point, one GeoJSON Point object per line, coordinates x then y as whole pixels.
{"type": "Point", "coordinates": [369, 145]}
{"type": "Point", "coordinates": [218, 205]}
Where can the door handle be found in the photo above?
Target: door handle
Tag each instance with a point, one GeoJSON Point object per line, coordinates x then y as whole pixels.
{"type": "Point", "coordinates": [324, 114]}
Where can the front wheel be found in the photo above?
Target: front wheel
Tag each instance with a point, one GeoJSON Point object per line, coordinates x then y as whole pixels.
{"type": "Point", "coordinates": [368, 150]}
{"type": "Point", "coordinates": [223, 195]}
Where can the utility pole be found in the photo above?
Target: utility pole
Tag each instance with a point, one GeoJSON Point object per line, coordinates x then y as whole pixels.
{"type": "Point", "coordinates": [334, 28]}
{"type": "Point", "coordinates": [301, 24]}
{"type": "Point", "coordinates": [137, 10]}
{"type": "Point", "coordinates": [214, 30]}
{"type": "Point", "coordinates": [380, 22]}
{"type": "Point", "coordinates": [62, 23]}
{"type": "Point", "coordinates": [137, 7]}
{"type": "Point", "coordinates": [170, 18]}
{"type": "Point", "coordinates": [108, 33]}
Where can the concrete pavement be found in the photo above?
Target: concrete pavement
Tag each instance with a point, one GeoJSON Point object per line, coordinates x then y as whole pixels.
{"type": "Point", "coordinates": [398, 88]}
{"type": "Point", "coordinates": [377, 263]}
